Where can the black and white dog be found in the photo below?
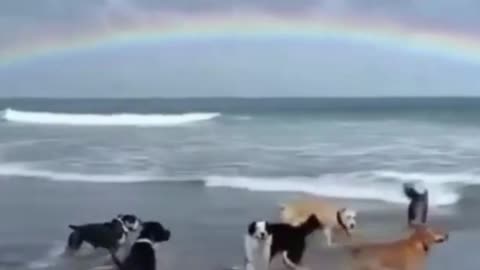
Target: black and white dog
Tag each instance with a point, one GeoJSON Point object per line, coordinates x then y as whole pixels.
{"type": "Point", "coordinates": [418, 207]}
{"type": "Point", "coordinates": [108, 235]}
{"type": "Point", "coordinates": [258, 244]}
{"type": "Point", "coordinates": [142, 253]}
{"type": "Point", "coordinates": [265, 240]}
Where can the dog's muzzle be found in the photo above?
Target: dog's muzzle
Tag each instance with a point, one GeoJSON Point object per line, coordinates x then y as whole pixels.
{"type": "Point", "coordinates": [442, 238]}
{"type": "Point", "coordinates": [167, 235]}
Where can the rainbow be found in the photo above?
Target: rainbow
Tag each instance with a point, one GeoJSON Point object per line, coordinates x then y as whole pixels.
{"type": "Point", "coordinates": [439, 43]}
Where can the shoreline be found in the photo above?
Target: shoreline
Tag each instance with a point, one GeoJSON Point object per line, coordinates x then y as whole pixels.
{"type": "Point", "coordinates": [207, 224]}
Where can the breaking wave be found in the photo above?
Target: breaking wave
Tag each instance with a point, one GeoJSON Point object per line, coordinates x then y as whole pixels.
{"type": "Point", "coordinates": [120, 119]}
{"type": "Point", "coordinates": [370, 185]}
{"type": "Point", "coordinates": [20, 170]}
{"type": "Point", "coordinates": [347, 187]}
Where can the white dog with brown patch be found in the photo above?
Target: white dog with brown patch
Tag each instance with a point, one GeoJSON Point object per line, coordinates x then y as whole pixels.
{"type": "Point", "coordinates": [331, 216]}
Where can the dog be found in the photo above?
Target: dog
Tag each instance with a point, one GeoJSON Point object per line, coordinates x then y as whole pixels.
{"type": "Point", "coordinates": [142, 253]}
{"type": "Point", "coordinates": [286, 239]}
{"type": "Point", "coordinates": [404, 254]}
{"type": "Point", "coordinates": [108, 235]}
{"type": "Point", "coordinates": [331, 216]}
{"type": "Point", "coordinates": [258, 242]}
{"type": "Point", "coordinates": [418, 207]}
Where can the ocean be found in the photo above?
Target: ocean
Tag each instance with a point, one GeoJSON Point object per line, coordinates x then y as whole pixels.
{"type": "Point", "coordinates": [206, 167]}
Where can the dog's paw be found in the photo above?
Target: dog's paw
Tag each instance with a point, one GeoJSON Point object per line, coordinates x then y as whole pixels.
{"type": "Point", "coordinates": [103, 267]}
{"type": "Point", "coordinates": [235, 267]}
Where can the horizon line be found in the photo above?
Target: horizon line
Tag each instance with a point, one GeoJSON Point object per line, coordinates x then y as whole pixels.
{"type": "Point", "coordinates": [241, 97]}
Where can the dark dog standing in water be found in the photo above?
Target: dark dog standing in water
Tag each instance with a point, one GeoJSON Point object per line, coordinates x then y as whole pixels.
{"type": "Point", "coordinates": [108, 235]}
{"type": "Point", "coordinates": [142, 254]}
{"type": "Point", "coordinates": [418, 207]}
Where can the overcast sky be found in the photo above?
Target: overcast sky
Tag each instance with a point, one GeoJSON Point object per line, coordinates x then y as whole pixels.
{"type": "Point", "coordinates": [230, 68]}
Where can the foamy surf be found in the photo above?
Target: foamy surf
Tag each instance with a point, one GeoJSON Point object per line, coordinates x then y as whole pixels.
{"type": "Point", "coordinates": [121, 119]}
{"type": "Point", "coordinates": [334, 187]}
{"type": "Point", "coordinates": [21, 170]}
{"type": "Point", "coordinates": [370, 185]}
{"type": "Point", "coordinates": [437, 178]}
{"type": "Point", "coordinates": [50, 258]}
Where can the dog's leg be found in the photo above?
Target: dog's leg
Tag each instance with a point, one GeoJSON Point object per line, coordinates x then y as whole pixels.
{"type": "Point", "coordinates": [249, 266]}
{"type": "Point", "coordinates": [248, 248]}
{"type": "Point", "coordinates": [267, 251]}
{"type": "Point", "coordinates": [74, 241]}
{"type": "Point", "coordinates": [292, 259]}
{"type": "Point", "coordinates": [116, 261]}
{"type": "Point", "coordinates": [249, 245]}
{"type": "Point", "coordinates": [328, 236]}
{"type": "Point", "coordinates": [425, 211]}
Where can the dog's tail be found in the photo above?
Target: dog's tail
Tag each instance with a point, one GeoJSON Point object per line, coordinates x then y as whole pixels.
{"type": "Point", "coordinates": [74, 241]}
{"type": "Point", "coordinates": [311, 224]}
{"type": "Point", "coordinates": [115, 260]}
{"type": "Point", "coordinates": [413, 190]}
{"type": "Point", "coordinates": [74, 227]}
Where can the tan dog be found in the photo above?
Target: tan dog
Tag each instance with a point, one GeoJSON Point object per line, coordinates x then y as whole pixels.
{"type": "Point", "coordinates": [405, 254]}
{"type": "Point", "coordinates": [332, 217]}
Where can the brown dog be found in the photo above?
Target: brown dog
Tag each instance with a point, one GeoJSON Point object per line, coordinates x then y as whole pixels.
{"type": "Point", "coordinates": [405, 254]}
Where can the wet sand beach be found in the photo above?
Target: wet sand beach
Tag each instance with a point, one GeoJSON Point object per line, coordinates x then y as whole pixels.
{"type": "Point", "coordinates": [207, 224]}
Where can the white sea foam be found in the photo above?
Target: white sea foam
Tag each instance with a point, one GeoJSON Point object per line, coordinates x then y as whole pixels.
{"type": "Point", "coordinates": [121, 119]}
{"type": "Point", "coordinates": [370, 185]}
{"type": "Point", "coordinates": [51, 257]}
{"type": "Point", "coordinates": [435, 178]}
{"type": "Point", "coordinates": [336, 186]}
{"type": "Point", "coordinates": [22, 170]}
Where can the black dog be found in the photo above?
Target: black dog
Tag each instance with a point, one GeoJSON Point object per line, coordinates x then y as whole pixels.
{"type": "Point", "coordinates": [290, 240]}
{"type": "Point", "coordinates": [418, 208]}
{"type": "Point", "coordinates": [142, 254]}
{"type": "Point", "coordinates": [108, 235]}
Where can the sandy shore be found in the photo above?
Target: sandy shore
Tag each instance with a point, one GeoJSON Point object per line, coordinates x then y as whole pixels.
{"type": "Point", "coordinates": [207, 224]}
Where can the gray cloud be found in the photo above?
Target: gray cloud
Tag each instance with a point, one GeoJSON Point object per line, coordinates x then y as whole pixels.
{"type": "Point", "coordinates": [75, 9]}
{"type": "Point", "coordinates": [26, 16]}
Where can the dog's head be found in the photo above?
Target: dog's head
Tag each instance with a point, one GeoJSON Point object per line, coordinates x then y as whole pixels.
{"type": "Point", "coordinates": [155, 232]}
{"type": "Point", "coordinates": [424, 237]}
{"type": "Point", "coordinates": [131, 222]}
{"type": "Point", "coordinates": [259, 230]}
{"type": "Point", "coordinates": [347, 219]}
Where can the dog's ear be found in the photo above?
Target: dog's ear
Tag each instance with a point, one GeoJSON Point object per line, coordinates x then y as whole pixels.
{"type": "Point", "coordinates": [313, 220]}
{"type": "Point", "coordinates": [153, 231]}
{"type": "Point", "coordinates": [252, 228]}
{"type": "Point", "coordinates": [160, 233]}
{"type": "Point", "coordinates": [268, 227]}
{"type": "Point", "coordinates": [148, 231]}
